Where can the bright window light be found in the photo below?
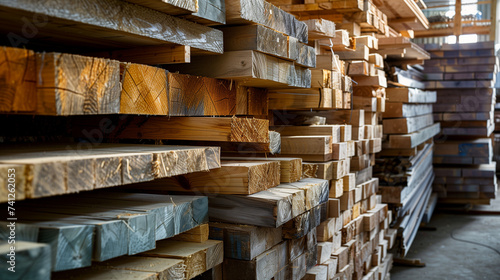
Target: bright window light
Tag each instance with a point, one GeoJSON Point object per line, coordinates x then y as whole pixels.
{"type": "Point", "coordinates": [464, 39]}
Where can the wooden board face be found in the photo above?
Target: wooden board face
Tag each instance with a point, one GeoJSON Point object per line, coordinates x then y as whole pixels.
{"type": "Point", "coordinates": [200, 96]}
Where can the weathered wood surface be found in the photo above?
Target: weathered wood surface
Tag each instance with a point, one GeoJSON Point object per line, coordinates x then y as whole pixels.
{"type": "Point", "coordinates": [255, 37]}
{"type": "Point", "coordinates": [208, 12]}
{"type": "Point", "coordinates": [265, 13]}
{"type": "Point", "coordinates": [105, 86]}
{"type": "Point", "coordinates": [250, 68]}
{"type": "Point", "coordinates": [197, 257]}
{"type": "Point", "coordinates": [137, 219]}
{"type": "Point", "coordinates": [320, 28]}
{"type": "Point", "coordinates": [185, 128]}
{"type": "Point", "coordinates": [97, 27]}
{"type": "Point", "coordinates": [153, 91]}
{"type": "Point", "coordinates": [233, 177]}
{"type": "Point", "coordinates": [77, 85]}
{"type": "Point", "coordinates": [17, 73]}
{"type": "Point", "coordinates": [48, 170]}
{"type": "Point", "coordinates": [270, 208]}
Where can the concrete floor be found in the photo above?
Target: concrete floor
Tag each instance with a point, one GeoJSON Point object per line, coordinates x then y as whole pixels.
{"type": "Point", "coordinates": [447, 258]}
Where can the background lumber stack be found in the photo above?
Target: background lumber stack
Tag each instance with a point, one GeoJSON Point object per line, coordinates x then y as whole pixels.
{"type": "Point", "coordinates": [404, 166]}
{"type": "Point", "coordinates": [463, 77]}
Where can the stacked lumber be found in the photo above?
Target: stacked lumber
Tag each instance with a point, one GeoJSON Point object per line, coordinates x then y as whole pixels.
{"type": "Point", "coordinates": [97, 29]}
{"type": "Point", "coordinates": [48, 170]}
{"type": "Point", "coordinates": [103, 225]}
{"type": "Point", "coordinates": [44, 84]}
{"type": "Point", "coordinates": [463, 76]}
{"type": "Point", "coordinates": [403, 15]}
{"type": "Point", "coordinates": [359, 15]}
{"type": "Point", "coordinates": [267, 49]}
{"type": "Point", "coordinates": [270, 234]}
{"type": "Point", "coordinates": [404, 167]}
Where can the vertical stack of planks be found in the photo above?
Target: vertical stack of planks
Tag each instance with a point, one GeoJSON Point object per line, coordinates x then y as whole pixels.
{"type": "Point", "coordinates": [463, 76]}
{"type": "Point", "coordinates": [339, 145]}
{"type": "Point", "coordinates": [404, 166]}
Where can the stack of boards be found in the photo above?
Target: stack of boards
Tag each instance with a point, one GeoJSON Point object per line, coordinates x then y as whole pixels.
{"type": "Point", "coordinates": [217, 209]}
{"type": "Point", "coordinates": [404, 166]}
{"type": "Point", "coordinates": [463, 76]}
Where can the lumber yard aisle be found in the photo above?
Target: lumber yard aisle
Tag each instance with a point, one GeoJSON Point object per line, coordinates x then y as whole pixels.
{"type": "Point", "coordinates": [233, 139]}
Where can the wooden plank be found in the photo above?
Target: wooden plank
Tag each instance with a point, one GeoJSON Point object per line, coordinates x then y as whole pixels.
{"type": "Point", "coordinates": [198, 257]}
{"type": "Point", "coordinates": [245, 242]}
{"type": "Point", "coordinates": [325, 130]}
{"type": "Point", "coordinates": [290, 168]}
{"type": "Point", "coordinates": [321, 98]}
{"type": "Point", "coordinates": [361, 53]}
{"type": "Point", "coordinates": [144, 90]}
{"type": "Point", "coordinates": [303, 224]}
{"type": "Point", "coordinates": [29, 259]}
{"type": "Point", "coordinates": [97, 90]}
{"type": "Point", "coordinates": [410, 95]}
{"type": "Point", "coordinates": [201, 96]}
{"type": "Point", "coordinates": [152, 55]}
{"type": "Point", "coordinates": [407, 125]}
{"type": "Point", "coordinates": [255, 37]}
{"type": "Point", "coordinates": [306, 55]}
{"type": "Point", "coordinates": [62, 236]}
{"type": "Point", "coordinates": [58, 169]}
{"type": "Point", "coordinates": [414, 139]}
{"type": "Point", "coordinates": [317, 273]}
{"type": "Point", "coordinates": [198, 234]}
{"type": "Point", "coordinates": [96, 27]}
{"type": "Point", "coordinates": [251, 68]}
{"type": "Point", "coordinates": [186, 128]}
{"type": "Point", "coordinates": [17, 69]}
{"type": "Point", "coordinates": [317, 145]}
{"type": "Point", "coordinates": [402, 110]}
{"type": "Point", "coordinates": [210, 12]}
{"type": "Point", "coordinates": [264, 13]}
{"type": "Point", "coordinates": [274, 205]}
{"type": "Point", "coordinates": [233, 177]}
{"type": "Point", "coordinates": [264, 266]}
{"type": "Point", "coordinates": [320, 28]}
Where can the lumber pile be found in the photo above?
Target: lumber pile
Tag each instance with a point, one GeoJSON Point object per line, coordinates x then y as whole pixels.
{"type": "Point", "coordinates": [103, 225]}
{"type": "Point", "coordinates": [463, 76]}
{"type": "Point", "coordinates": [404, 167]}
{"type": "Point", "coordinates": [267, 49]}
{"type": "Point", "coordinates": [43, 84]}
{"type": "Point", "coordinates": [364, 15]}
{"type": "Point", "coordinates": [48, 170]}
